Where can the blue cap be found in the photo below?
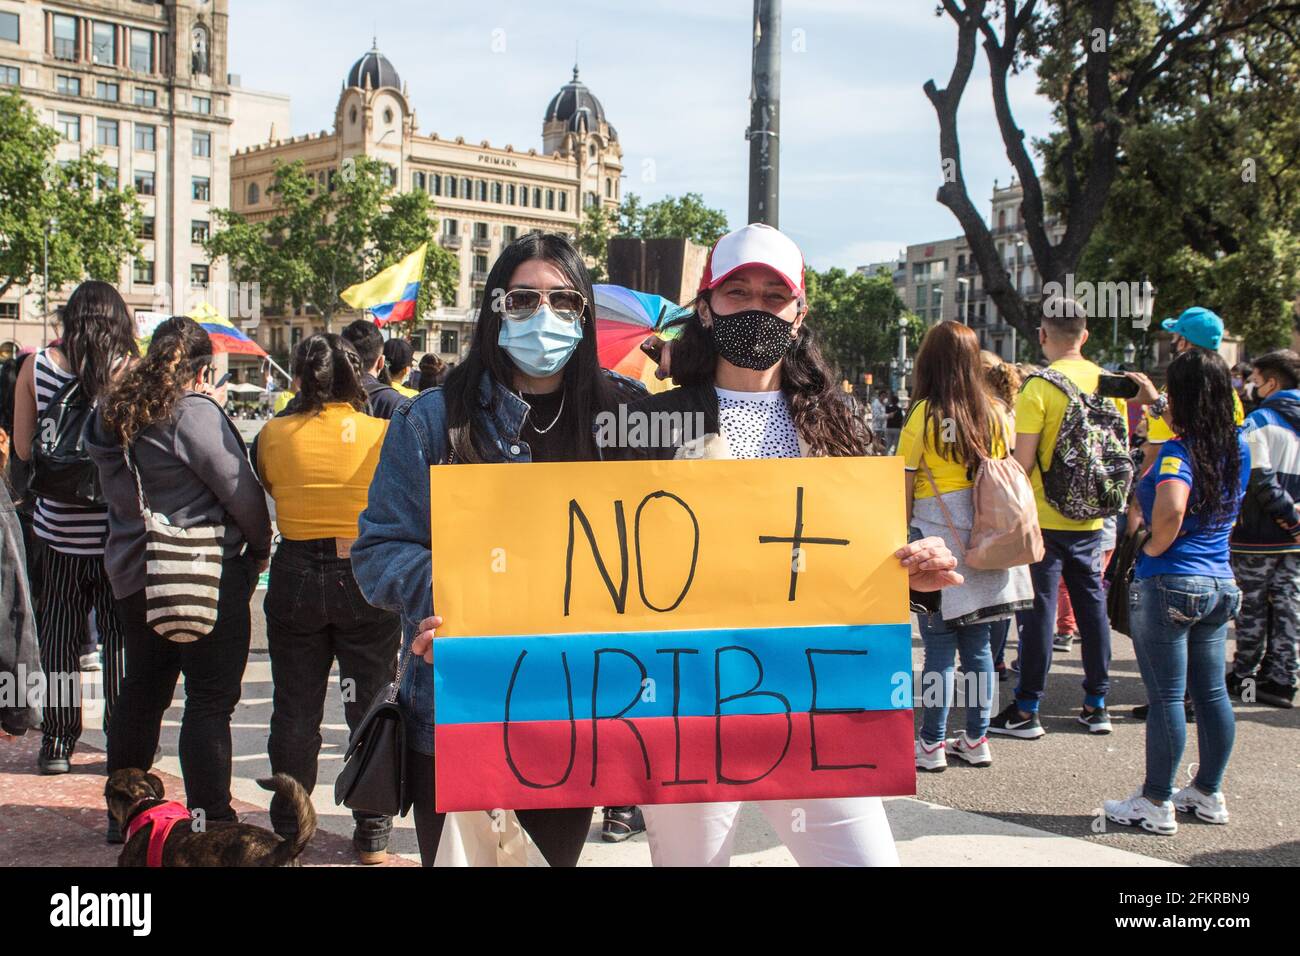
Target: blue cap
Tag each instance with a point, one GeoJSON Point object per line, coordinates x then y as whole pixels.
{"type": "Point", "coordinates": [1199, 326]}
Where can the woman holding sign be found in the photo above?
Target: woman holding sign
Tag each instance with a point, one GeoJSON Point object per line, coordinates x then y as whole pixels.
{"type": "Point", "coordinates": [530, 389]}
{"type": "Point", "coordinates": [746, 360]}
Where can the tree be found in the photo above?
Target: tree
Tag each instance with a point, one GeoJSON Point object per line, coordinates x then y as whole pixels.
{"type": "Point", "coordinates": [89, 222]}
{"type": "Point", "coordinates": [1103, 64]}
{"type": "Point", "coordinates": [684, 217]}
{"type": "Point", "coordinates": [1206, 202]}
{"type": "Point", "coordinates": [319, 241]}
{"type": "Point", "coordinates": [856, 319]}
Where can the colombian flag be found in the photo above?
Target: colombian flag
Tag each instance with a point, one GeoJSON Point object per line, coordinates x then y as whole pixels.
{"type": "Point", "coordinates": [390, 296]}
{"type": "Point", "coordinates": [225, 337]}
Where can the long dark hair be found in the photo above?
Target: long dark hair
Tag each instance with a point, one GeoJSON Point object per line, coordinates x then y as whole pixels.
{"type": "Point", "coordinates": [397, 359]}
{"type": "Point", "coordinates": [148, 393]}
{"type": "Point", "coordinates": [1201, 406]}
{"type": "Point", "coordinates": [950, 378]}
{"type": "Point", "coordinates": [822, 414]}
{"type": "Point", "coordinates": [98, 333]}
{"type": "Point", "coordinates": [432, 371]}
{"type": "Point", "coordinates": [328, 369]}
{"type": "Point", "coordinates": [586, 389]}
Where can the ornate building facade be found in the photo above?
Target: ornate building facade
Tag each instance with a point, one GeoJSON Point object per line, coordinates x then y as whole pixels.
{"type": "Point", "coordinates": [485, 196]}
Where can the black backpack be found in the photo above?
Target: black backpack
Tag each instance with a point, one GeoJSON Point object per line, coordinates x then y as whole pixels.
{"type": "Point", "coordinates": [62, 469]}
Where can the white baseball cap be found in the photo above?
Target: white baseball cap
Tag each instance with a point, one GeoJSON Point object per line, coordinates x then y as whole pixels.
{"type": "Point", "coordinates": [754, 245]}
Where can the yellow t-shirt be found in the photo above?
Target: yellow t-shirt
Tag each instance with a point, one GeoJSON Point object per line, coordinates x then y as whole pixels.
{"type": "Point", "coordinates": [281, 400]}
{"type": "Point", "coordinates": [1158, 432]}
{"type": "Point", "coordinates": [404, 391]}
{"type": "Point", "coordinates": [318, 468]}
{"type": "Point", "coordinates": [949, 475]}
{"type": "Point", "coordinates": [1039, 411]}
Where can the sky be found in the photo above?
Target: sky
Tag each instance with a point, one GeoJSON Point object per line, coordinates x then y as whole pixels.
{"type": "Point", "coordinates": [859, 139]}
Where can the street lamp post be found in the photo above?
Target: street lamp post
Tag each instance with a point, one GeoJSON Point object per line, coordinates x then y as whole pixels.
{"type": "Point", "coordinates": [764, 133]}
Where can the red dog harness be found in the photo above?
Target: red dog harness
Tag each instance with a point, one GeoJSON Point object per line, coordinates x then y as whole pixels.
{"type": "Point", "coordinates": [163, 817]}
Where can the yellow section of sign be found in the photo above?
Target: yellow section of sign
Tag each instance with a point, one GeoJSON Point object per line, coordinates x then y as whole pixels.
{"type": "Point", "coordinates": [553, 548]}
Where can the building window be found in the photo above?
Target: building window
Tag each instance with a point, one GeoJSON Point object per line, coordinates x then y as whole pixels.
{"type": "Point", "coordinates": [202, 144]}
{"type": "Point", "coordinates": [418, 181]}
{"type": "Point", "coordinates": [509, 234]}
{"type": "Point", "coordinates": [550, 199]}
{"type": "Point", "coordinates": [435, 184]}
{"type": "Point", "coordinates": [8, 310]}
{"type": "Point", "coordinates": [609, 188]}
{"type": "Point", "coordinates": [107, 181]}
{"type": "Point", "coordinates": [564, 202]}
{"type": "Point", "coordinates": [254, 194]}
{"type": "Point", "coordinates": [105, 132]}
{"type": "Point", "coordinates": [142, 274]}
{"type": "Point", "coordinates": [9, 75]}
{"type": "Point", "coordinates": [199, 50]}
{"type": "Point", "coordinates": [198, 276]}
{"type": "Point", "coordinates": [199, 230]}
{"type": "Point", "coordinates": [449, 227]}
{"type": "Point", "coordinates": [391, 176]}
{"type": "Point", "coordinates": [388, 117]}
{"type": "Point", "coordinates": [477, 300]}
{"type": "Point", "coordinates": [465, 190]}
{"type": "Point", "coordinates": [145, 227]}
{"type": "Point", "coordinates": [510, 194]}
{"type": "Point", "coordinates": [65, 37]}
{"type": "Point", "coordinates": [591, 150]}
{"type": "Point", "coordinates": [480, 230]}
{"type": "Point", "coordinates": [451, 187]}
{"type": "Point", "coordinates": [145, 137]}
{"type": "Point", "coordinates": [105, 90]}
{"type": "Point", "coordinates": [449, 342]}
{"type": "Point", "coordinates": [68, 85]}
{"type": "Point", "coordinates": [69, 125]}
{"type": "Point", "coordinates": [497, 192]}
{"type": "Point", "coordinates": [201, 104]}
{"type": "Point", "coordinates": [9, 27]}
{"type": "Point", "coordinates": [145, 96]}
{"type": "Point", "coordinates": [537, 197]}
{"type": "Point", "coordinates": [201, 188]}
{"type": "Point", "coordinates": [591, 199]}
{"type": "Point", "coordinates": [481, 191]}
{"type": "Point", "coordinates": [480, 263]}
{"type": "Point", "coordinates": [144, 184]}
{"type": "Point", "coordinates": [142, 51]}
{"type": "Point", "coordinates": [103, 43]}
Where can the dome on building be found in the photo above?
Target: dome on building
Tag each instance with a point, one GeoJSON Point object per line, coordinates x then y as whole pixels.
{"type": "Point", "coordinates": [576, 107]}
{"type": "Point", "coordinates": [375, 70]}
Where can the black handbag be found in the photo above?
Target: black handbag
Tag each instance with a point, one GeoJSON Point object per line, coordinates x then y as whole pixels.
{"type": "Point", "coordinates": [373, 779]}
{"type": "Point", "coordinates": [1123, 565]}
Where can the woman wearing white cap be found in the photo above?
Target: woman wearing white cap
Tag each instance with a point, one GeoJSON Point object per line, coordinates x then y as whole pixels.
{"type": "Point", "coordinates": [748, 363]}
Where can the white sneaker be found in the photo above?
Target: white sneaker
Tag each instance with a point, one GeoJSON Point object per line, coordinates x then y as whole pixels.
{"type": "Point", "coordinates": [1137, 810]}
{"type": "Point", "coordinates": [930, 757]}
{"type": "Point", "coordinates": [974, 752]}
{"type": "Point", "coordinates": [90, 662]}
{"type": "Point", "coordinates": [1211, 809]}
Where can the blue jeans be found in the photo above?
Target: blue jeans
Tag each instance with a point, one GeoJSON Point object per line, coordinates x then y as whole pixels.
{"type": "Point", "coordinates": [1074, 556]}
{"type": "Point", "coordinates": [942, 644]}
{"type": "Point", "coordinates": [1180, 625]}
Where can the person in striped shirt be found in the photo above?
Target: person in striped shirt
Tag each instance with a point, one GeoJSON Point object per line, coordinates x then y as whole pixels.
{"type": "Point", "coordinates": [98, 343]}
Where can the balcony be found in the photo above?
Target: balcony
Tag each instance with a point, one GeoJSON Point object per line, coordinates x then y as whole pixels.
{"type": "Point", "coordinates": [449, 242]}
{"type": "Point", "coordinates": [480, 244]}
{"type": "Point", "coordinates": [478, 278]}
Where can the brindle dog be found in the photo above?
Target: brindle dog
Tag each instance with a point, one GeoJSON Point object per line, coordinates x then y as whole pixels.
{"type": "Point", "coordinates": [130, 792]}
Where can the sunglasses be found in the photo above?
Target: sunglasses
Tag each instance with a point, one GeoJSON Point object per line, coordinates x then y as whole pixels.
{"type": "Point", "coordinates": [521, 304]}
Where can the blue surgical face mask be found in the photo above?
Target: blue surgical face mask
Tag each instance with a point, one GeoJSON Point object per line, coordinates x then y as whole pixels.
{"type": "Point", "coordinates": [541, 345]}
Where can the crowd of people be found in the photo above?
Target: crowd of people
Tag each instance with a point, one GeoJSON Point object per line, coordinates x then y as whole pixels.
{"type": "Point", "coordinates": [135, 517]}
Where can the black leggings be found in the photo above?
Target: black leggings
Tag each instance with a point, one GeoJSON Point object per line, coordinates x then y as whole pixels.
{"type": "Point", "coordinates": [559, 834]}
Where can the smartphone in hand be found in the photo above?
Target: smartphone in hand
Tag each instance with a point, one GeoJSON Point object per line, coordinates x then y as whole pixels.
{"type": "Point", "coordinates": [1117, 386]}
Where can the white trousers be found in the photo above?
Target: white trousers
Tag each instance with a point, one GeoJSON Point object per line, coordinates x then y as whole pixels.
{"type": "Point", "coordinates": [848, 831]}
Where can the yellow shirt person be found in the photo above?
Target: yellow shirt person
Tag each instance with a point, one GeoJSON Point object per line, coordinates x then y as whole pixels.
{"type": "Point", "coordinates": [949, 475]}
{"type": "Point", "coordinates": [318, 468]}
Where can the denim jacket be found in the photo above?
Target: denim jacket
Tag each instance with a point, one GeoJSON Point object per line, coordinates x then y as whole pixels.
{"type": "Point", "coordinates": [391, 557]}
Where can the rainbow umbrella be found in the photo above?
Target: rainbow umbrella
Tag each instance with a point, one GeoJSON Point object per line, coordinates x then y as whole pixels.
{"type": "Point", "coordinates": [624, 319]}
{"type": "Point", "coordinates": [225, 337]}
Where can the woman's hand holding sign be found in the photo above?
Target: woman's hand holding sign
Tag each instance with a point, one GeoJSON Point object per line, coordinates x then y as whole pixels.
{"type": "Point", "coordinates": [424, 634]}
{"type": "Point", "coordinates": [929, 565]}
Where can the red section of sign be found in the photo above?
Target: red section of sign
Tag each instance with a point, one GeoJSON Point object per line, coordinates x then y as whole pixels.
{"type": "Point", "coordinates": [474, 771]}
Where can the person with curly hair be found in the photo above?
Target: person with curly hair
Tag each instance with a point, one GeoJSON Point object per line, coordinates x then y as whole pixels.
{"type": "Point", "coordinates": [193, 468]}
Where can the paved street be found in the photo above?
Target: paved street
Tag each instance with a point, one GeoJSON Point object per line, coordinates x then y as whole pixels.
{"type": "Point", "coordinates": [1036, 806]}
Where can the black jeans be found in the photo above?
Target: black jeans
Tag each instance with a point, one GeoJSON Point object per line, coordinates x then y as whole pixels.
{"type": "Point", "coordinates": [314, 614]}
{"type": "Point", "coordinates": [214, 669]}
{"type": "Point", "coordinates": [559, 834]}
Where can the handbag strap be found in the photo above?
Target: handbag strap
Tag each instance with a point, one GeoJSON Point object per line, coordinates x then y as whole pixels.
{"type": "Point", "coordinates": [402, 660]}
{"type": "Point", "coordinates": [947, 516]}
{"type": "Point", "coordinates": [139, 485]}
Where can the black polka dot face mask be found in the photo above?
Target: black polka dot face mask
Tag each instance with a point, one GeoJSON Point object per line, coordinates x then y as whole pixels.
{"type": "Point", "coordinates": [754, 339]}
